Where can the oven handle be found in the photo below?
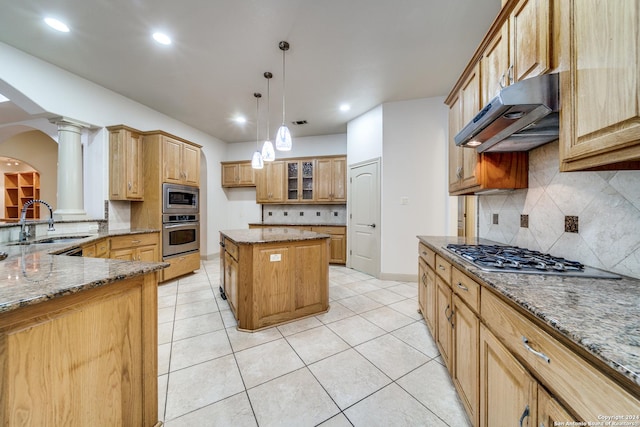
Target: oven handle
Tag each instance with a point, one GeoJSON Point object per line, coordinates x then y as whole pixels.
{"type": "Point", "coordinates": [182, 224]}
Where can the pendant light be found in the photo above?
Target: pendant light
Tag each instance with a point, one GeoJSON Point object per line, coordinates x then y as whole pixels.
{"type": "Point", "coordinates": [268, 153]}
{"type": "Point", "coordinates": [256, 160]}
{"type": "Point", "coordinates": [283, 136]}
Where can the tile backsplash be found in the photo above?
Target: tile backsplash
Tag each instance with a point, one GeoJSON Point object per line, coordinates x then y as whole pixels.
{"type": "Point", "coordinates": [304, 214]}
{"type": "Point", "coordinates": [606, 205]}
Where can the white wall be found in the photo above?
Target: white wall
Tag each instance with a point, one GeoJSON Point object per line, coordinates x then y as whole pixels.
{"type": "Point", "coordinates": [62, 93]}
{"type": "Point", "coordinates": [411, 139]}
{"type": "Point", "coordinates": [414, 171]}
{"type": "Point", "coordinates": [242, 208]}
{"type": "Point", "coordinates": [364, 136]}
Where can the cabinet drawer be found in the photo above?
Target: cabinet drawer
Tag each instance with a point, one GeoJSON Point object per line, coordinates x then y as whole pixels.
{"type": "Point", "coordinates": [102, 248]}
{"type": "Point", "coordinates": [443, 269]}
{"type": "Point", "coordinates": [329, 230]}
{"type": "Point", "coordinates": [466, 288]}
{"type": "Point", "coordinates": [585, 389]}
{"type": "Point", "coordinates": [133, 240]}
{"type": "Point", "coordinates": [427, 255]}
{"type": "Point", "coordinates": [231, 248]}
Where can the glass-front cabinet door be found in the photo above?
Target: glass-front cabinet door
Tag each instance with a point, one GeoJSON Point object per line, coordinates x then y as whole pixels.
{"type": "Point", "coordinates": [300, 180]}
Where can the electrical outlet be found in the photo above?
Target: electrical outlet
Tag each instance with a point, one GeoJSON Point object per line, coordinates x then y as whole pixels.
{"type": "Point", "coordinates": [524, 221]}
{"type": "Point", "coordinates": [495, 219]}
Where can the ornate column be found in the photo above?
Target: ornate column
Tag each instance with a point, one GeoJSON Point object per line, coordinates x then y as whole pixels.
{"type": "Point", "coordinates": [70, 201]}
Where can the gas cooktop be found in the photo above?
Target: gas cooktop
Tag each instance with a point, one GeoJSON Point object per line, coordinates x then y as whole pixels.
{"type": "Point", "coordinates": [513, 259]}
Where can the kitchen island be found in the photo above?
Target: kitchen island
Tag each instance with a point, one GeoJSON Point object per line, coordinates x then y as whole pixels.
{"type": "Point", "coordinates": [78, 339]}
{"type": "Point", "coordinates": [271, 276]}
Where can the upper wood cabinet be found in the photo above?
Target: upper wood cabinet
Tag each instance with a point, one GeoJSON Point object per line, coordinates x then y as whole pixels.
{"type": "Point", "coordinates": [126, 166]}
{"type": "Point", "coordinates": [600, 93]}
{"type": "Point", "coordinates": [303, 180]}
{"type": "Point", "coordinates": [238, 174]}
{"type": "Point", "coordinates": [331, 182]}
{"type": "Point", "coordinates": [181, 162]}
{"type": "Point", "coordinates": [270, 182]}
{"type": "Point", "coordinates": [470, 172]}
{"type": "Point", "coordinates": [299, 182]}
{"type": "Point", "coordinates": [520, 48]}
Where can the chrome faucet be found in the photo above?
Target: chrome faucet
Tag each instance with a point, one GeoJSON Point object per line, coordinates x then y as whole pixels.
{"type": "Point", "coordinates": [23, 218]}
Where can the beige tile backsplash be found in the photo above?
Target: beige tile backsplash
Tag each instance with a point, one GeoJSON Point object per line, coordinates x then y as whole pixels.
{"type": "Point", "coordinates": [606, 203]}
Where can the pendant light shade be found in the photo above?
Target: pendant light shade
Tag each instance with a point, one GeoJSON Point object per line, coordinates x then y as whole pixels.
{"type": "Point", "coordinates": [283, 136]}
{"type": "Point", "coordinates": [257, 161]}
{"type": "Point", "coordinates": [268, 153]}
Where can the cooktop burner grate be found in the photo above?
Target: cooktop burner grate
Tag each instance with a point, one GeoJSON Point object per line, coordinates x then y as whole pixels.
{"type": "Point", "coordinates": [497, 258]}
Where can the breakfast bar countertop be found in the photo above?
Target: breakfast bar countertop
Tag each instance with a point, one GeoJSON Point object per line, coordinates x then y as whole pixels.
{"type": "Point", "coordinates": [598, 315]}
{"type": "Point", "coordinates": [34, 273]}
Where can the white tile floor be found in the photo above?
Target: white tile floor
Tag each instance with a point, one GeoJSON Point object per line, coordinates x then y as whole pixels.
{"type": "Point", "coordinates": [369, 361]}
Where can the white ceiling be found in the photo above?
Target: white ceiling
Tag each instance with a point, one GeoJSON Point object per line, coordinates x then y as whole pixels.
{"type": "Point", "coordinates": [361, 52]}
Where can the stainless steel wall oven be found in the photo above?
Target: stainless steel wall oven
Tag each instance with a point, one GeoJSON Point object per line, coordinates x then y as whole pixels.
{"type": "Point", "coordinates": [180, 234]}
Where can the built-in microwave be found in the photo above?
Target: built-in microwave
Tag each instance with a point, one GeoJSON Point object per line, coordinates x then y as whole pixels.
{"type": "Point", "coordinates": [179, 199]}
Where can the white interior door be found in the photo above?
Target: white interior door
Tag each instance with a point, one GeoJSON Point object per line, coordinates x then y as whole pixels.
{"type": "Point", "coordinates": [364, 217]}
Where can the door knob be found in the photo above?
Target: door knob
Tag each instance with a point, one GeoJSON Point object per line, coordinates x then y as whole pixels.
{"type": "Point", "coordinates": [371, 225]}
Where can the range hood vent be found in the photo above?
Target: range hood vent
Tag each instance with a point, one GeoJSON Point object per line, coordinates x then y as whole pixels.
{"type": "Point", "coordinates": [523, 116]}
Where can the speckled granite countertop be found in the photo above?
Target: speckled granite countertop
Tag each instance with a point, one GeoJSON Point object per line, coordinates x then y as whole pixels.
{"type": "Point", "coordinates": [309, 224]}
{"type": "Point", "coordinates": [602, 316]}
{"type": "Point", "coordinates": [33, 273]}
{"type": "Point", "coordinates": [271, 235]}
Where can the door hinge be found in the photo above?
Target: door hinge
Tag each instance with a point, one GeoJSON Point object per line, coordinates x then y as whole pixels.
{"type": "Point", "coordinates": [350, 180]}
{"type": "Point", "coordinates": [350, 252]}
{"type": "Point", "coordinates": [350, 216]}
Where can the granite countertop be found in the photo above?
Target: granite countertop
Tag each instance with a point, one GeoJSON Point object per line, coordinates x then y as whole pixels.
{"type": "Point", "coordinates": [271, 235]}
{"type": "Point", "coordinates": [602, 316]}
{"type": "Point", "coordinates": [33, 273]}
{"type": "Point", "coordinates": [292, 224]}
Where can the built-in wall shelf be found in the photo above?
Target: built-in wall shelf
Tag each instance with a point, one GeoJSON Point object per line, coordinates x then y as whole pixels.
{"type": "Point", "coordinates": [19, 188]}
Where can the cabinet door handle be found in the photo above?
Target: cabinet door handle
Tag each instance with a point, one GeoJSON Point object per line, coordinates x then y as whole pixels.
{"type": "Point", "coordinates": [130, 185]}
{"type": "Point", "coordinates": [450, 316]}
{"type": "Point", "coordinates": [524, 415]}
{"type": "Point", "coordinates": [135, 242]}
{"type": "Point", "coordinates": [525, 342]}
{"type": "Point", "coordinates": [459, 172]}
{"type": "Point", "coordinates": [502, 80]}
{"type": "Point", "coordinates": [441, 267]}
{"type": "Point", "coordinates": [510, 74]}
{"type": "Point", "coordinates": [463, 287]}
{"type": "Point", "coordinates": [424, 278]}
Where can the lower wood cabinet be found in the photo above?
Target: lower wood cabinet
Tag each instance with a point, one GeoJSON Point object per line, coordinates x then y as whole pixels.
{"type": "Point", "coordinates": [337, 244]}
{"type": "Point", "coordinates": [84, 359]}
{"type": "Point", "coordinates": [507, 370]}
{"type": "Point", "coordinates": [135, 247]}
{"type": "Point", "coordinates": [180, 265]}
{"type": "Point", "coordinates": [444, 325]}
{"type": "Point", "coordinates": [465, 354]}
{"type": "Point", "coordinates": [507, 391]}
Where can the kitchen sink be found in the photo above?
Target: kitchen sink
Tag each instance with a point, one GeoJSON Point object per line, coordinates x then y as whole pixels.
{"type": "Point", "coordinates": [62, 239]}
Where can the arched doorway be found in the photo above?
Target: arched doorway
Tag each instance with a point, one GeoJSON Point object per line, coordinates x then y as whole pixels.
{"type": "Point", "coordinates": [31, 150]}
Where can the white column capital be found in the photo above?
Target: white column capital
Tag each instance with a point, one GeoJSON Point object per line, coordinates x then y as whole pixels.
{"type": "Point", "coordinates": [70, 125]}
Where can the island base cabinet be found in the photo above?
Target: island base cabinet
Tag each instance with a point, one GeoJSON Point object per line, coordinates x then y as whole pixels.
{"type": "Point", "coordinates": [267, 284]}
{"type": "Point", "coordinates": [86, 359]}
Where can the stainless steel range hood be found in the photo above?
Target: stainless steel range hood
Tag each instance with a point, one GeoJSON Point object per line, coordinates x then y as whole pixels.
{"type": "Point", "coordinates": [523, 116]}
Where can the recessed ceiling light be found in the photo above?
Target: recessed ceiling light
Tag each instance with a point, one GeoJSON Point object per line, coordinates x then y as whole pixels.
{"type": "Point", "coordinates": [3, 98]}
{"type": "Point", "coordinates": [345, 107]}
{"type": "Point", "coordinates": [56, 24]}
{"type": "Point", "coordinates": [240, 119]}
{"type": "Point", "coordinates": [162, 38]}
